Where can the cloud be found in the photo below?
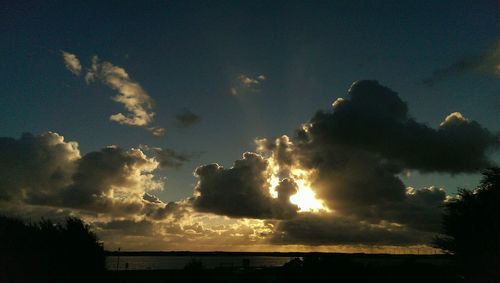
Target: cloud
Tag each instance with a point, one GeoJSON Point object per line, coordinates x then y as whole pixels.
{"type": "Point", "coordinates": [326, 229]}
{"type": "Point", "coordinates": [487, 62]}
{"type": "Point", "coordinates": [113, 190]}
{"type": "Point", "coordinates": [245, 83]}
{"type": "Point", "coordinates": [242, 190]}
{"type": "Point", "coordinates": [157, 131]}
{"type": "Point", "coordinates": [72, 63]}
{"type": "Point", "coordinates": [128, 227]}
{"type": "Point", "coordinates": [169, 158]}
{"type": "Point", "coordinates": [374, 119]}
{"type": "Point", "coordinates": [351, 157]}
{"type": "Point", "coordinates": [131, 94]}
{"type": "Point", "coordinates": [187, 118]}
{"type": "Point", "coordinates": [46, 170]}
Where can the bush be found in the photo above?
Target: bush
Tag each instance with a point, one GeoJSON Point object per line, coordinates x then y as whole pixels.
{"type": "Point", "coordinates": [471, 229]}
{"type": "Point", "coordinates": [49, 252]}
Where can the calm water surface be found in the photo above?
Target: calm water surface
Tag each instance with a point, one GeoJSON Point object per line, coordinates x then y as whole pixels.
{"type": "Point", "coordinates": [178, 262]}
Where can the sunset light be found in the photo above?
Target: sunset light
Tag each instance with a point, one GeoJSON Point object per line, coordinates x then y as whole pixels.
{"type": "Point", "coordinates": [195, 140]}
{"type": "Point", "coordinates": [306, 199]}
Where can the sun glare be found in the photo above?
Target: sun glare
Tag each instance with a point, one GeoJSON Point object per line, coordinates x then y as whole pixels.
{"type": "Point", "coordinates": [306, 199]}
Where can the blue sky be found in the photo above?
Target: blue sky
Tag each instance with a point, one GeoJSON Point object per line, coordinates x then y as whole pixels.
{"type": "Point", "coordinates": [189, 54]}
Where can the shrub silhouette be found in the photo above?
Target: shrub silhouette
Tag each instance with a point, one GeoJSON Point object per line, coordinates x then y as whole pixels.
{"type": "Point", "coordinates": [49, 252]}
{"type": "Point", "coordinates": [471, 228]}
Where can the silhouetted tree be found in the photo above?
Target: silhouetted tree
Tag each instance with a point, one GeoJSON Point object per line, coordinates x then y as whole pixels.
{"type": "Point", "coordinates": [49, 252]}
{"type": "Point", "coordinates": [471, 229]}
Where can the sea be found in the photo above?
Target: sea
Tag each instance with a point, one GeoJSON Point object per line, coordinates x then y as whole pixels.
{"type": "Point", "coordinates": [179, 262]}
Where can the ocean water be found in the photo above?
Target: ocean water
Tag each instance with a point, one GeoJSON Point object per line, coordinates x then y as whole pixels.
{"type": "Point", "coordinates": [178, 262]}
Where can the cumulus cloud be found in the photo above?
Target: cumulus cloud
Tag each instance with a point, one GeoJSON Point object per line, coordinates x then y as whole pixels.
{"type": "Point", "coordinates": [186, 118]}
{"type": "Point", "coordinates": [245, 83]}
{"type": "Point", "coordinates": [242, 190]}
{"type": "Point", "coordinates": [72, 63]}
{"type": "Point", "coordinates": [376, 120]}
{"type": "Point", "coordinates": [351, 157]}
{"type": "Point", "coordinates": [487, 62]}
{"type": "Point", "coordinates": [47, 170]}
{"type": "Point", "coordinates": [113, 190]}
{"type": "Point", "coordinates": [357, 151]}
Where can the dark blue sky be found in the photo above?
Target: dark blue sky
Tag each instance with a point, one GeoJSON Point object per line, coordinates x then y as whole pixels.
{"type": "Point", "coordinates": [189, 54]}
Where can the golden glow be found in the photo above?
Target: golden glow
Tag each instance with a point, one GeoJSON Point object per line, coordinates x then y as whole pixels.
{"type": "Point", "coordinates": [306, 199]}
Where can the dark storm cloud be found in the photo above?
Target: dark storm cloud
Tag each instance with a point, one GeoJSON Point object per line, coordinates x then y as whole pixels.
{"type": "Point", "coordinates": [326, 229]}
{"type": "Point", "coordinates": [358, 151]}
{"type": "Point", "coordinates": [128, 227]}
{"type": "Point", "coordinates": [242, 190]}
{"type": "Point", "coordinates": [376, 120]}
{"type": "Point", "coordinates": [487, 62]}
{"type": "Point", "coordinates": [186, 118]}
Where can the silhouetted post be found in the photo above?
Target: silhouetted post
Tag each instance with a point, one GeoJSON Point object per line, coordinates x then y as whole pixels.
{"type": "Point", "coordinates": [118, 261]}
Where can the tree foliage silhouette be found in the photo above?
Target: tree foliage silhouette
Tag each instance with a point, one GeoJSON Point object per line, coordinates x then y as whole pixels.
{"type": "Point", "coordinates": [471, 228]}
{"type": "Point", "coordinates": [49, 252]}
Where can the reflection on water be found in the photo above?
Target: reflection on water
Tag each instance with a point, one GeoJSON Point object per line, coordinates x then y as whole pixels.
{"type": "Point", "coordinates": [178, 262]}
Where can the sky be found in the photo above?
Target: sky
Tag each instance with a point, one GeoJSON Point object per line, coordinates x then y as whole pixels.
{"type": "Point", "coordinates": [247, 125]}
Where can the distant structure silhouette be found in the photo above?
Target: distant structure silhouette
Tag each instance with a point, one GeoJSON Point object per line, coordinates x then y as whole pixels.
{"type": "Point", "coordinates": [471, 229]}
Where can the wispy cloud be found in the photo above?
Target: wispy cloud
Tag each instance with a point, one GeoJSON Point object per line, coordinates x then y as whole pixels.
{"type": "Point", "coordinates": [186, 118]}
{"type": "Point", "coordinates": [169, 158]}
{"type": "Point", "coordinates": [247, 83]}
{"type": "Point", "coordinates": [72, 63]}
{"type": "Point", "coordinates": [131, 94]}
{"type": "Point", "coordinates": [487, 62]}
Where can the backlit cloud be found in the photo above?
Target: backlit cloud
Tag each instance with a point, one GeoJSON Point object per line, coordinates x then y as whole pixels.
{"type": "Point", "coordinates": [72, 63]}
{"type": "Point", "coordinates": [348, 160]}
{"type": "Point", "coordinates": [131, 94]}
{"type": "Point", "coordinates": [335, 183]}
{"type": "Point", "coordinates": [242, 190]}
{"type": "Point", "coordinates": [47, 170]}
{"type": "Point", "coordinates": [245, 83]}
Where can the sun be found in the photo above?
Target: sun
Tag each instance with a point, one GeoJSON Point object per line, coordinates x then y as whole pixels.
{"type": "Point", "coordinates": [306, 199]}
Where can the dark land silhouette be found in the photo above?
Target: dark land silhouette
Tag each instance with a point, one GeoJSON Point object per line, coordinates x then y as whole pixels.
{"type": "Point", "coordinates": [45, 251]}
{"type": "Point", "coordinates": [471, 229]}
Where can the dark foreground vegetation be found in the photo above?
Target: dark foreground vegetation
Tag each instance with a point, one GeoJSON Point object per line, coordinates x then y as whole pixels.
{"type": "Point", "coordinates": [49, 252]}
{"type": "Point", "coordinates": [471, 230]}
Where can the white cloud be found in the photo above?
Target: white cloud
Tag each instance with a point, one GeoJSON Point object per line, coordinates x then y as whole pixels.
{"type": "Point", "coordinates": [72, 63]}
{"type": "Point", "coordinates": [157, 131]}
{"type": "Point", "coordinates": [247, 83]}
{"type": "Point", "coordinates": [130, 93]}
